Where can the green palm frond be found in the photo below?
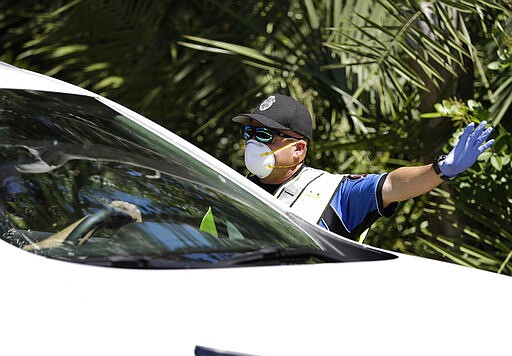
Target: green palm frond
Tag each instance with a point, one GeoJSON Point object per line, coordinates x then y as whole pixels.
{"type": "Point", "coordinates": [365, 69]}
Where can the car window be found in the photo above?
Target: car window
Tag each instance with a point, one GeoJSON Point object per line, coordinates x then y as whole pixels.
{"type": "Point", "coordinates": [81, 182]}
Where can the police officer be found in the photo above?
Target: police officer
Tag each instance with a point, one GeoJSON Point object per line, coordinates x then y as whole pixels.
{"type": "Point", "coordinates": [277, 134]}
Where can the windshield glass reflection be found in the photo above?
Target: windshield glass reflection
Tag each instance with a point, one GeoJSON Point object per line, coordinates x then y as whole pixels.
{"type": "Point", "coordinates": [79, 181]}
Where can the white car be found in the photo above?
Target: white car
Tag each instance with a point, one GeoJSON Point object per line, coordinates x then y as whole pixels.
{"type": "Point", "coordinates": [120, 238]}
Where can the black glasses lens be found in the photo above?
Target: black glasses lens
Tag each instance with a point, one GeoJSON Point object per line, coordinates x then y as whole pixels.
{"type": "Point", "coordinates": [264, 135]}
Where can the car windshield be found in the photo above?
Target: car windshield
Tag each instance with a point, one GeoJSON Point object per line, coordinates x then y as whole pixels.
{"type": "Point", "coordinates": [81, 182]}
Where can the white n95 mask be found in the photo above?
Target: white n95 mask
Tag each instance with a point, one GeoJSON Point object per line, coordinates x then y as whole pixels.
{"type": "Point", "coordinates": [260, 159]}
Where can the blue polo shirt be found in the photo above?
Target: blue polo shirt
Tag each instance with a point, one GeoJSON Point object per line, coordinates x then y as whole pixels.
{"type": "Point", "coordinates": [356, 205]}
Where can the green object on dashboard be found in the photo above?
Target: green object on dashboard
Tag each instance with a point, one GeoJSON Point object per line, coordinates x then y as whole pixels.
{"type": "Point", "coordinates": [208, 223]}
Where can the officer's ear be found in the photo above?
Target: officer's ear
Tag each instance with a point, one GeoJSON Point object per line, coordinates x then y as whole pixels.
{"type": "Point", "coordinates": [301, 147]}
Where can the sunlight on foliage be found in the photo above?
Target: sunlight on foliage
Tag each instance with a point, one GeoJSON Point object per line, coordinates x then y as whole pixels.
{"type": "Point", "coordinates": [388, 84]}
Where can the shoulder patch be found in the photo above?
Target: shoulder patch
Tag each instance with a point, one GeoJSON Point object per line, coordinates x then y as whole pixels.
{"type": "Point", "coordinates": [356, 176]}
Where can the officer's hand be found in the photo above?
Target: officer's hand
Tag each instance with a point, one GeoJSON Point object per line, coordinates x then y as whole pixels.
{"type": "Point", "coordinates": [466, 151]}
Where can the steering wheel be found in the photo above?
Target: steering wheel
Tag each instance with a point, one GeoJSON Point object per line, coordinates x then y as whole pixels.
{"type": "Point", "coordinates": [117, 214]}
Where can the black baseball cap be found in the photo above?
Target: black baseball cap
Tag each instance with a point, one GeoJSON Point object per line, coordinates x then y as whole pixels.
{"type": "Point", "coordinates": [280, 112]}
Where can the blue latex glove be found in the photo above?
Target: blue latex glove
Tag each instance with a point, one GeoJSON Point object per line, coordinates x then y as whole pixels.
{"type": "Point", "coordinates": [466, 151]}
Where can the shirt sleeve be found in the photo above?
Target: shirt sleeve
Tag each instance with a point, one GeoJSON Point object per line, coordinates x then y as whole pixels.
{"type": "Point", "coordinates": [358, 201]}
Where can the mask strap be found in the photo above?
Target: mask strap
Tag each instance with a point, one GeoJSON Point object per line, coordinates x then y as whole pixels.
{"type": "Point", "coordinates": [290, 166]}
{"type": "Point", "coordinates": [279, 149]}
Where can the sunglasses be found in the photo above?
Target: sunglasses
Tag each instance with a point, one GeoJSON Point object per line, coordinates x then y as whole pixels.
{"type": "Point", "coordinates": [263, 134]}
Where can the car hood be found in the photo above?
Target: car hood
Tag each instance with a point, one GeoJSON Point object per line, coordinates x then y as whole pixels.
{"type": "Point", "coordinates": [403, 306]}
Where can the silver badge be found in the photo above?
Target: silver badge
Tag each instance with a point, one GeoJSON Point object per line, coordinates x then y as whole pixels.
{"type": "Point", "coordinates": [267, 103]}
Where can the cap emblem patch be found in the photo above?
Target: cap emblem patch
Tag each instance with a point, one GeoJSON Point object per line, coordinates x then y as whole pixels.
{"type": "Point", "coordinates": [267, 103]}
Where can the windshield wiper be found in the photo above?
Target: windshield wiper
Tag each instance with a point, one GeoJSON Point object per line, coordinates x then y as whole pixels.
{"type": "Point", "coordinates": [264, 256]}
{"type": "Point", "coordinates": [279, 254]}
{"type": "Point", "coordinates": [141, 262]}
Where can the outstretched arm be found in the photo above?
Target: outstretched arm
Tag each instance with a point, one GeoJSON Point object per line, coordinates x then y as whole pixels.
{"type": "Point", "coordinates": [409, 182]}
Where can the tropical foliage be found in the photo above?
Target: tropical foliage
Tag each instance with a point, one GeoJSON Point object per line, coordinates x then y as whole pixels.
{"type": "Point", "coordinates": [389, 83]}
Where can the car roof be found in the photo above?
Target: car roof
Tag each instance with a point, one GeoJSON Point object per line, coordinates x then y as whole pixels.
{"type": "Point", "coordinates": [12, 77]}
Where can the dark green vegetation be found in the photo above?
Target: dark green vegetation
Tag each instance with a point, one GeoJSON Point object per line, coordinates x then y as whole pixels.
{"type": "Point", "coordinates": [389, 84]}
